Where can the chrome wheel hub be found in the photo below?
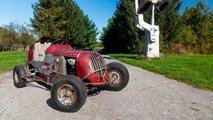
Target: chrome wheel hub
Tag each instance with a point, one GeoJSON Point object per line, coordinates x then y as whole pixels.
{"type": "Point", "coordinates": [115, 77]}
{"type": "Point", "coordinates": [66, 95]}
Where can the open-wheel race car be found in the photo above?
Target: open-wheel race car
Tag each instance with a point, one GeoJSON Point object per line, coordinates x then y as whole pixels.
{"type": "Point", "coordinates": [68, 73]}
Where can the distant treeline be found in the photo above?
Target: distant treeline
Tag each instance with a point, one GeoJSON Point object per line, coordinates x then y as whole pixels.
{"type": "Point", "coordinates": [14, 37]}
{"type": "Point", "coordinates": [190, 32]}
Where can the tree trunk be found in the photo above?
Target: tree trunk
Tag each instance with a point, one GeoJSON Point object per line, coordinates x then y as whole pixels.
{"type": "Point", "coordinates": [25, 46]}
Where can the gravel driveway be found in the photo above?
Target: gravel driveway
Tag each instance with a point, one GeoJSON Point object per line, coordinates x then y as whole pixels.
{"type": "Point", "coordinates": [148, 96]}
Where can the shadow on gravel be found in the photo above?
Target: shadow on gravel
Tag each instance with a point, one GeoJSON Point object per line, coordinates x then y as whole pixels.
{"type": "Point", "coordinates": [93, 91]}
{"type": "Point", "coordinates": [51, 105]}
{"type": "Point", "coordinates": [37, 86]}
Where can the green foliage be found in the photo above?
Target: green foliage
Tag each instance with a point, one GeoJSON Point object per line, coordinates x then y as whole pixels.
{"type": "Point", "coordinates": [25, 37]}
{"type": "Point", "coordinates": [75, 28]}
{"type": "Point", "coordinates": [121, 34]}
{"type": "Point", "coordinates": [196, 70]}
{"type": "Point", "coordinates": [188, 39]}
{"type": "Point", "coordinates": [14, 36]}
{"type": "Point", "coordinates": [191, 32]}
{"type": "Point", "coordinates": [200, 18]}
{"type": "Point", "coordinates": [9, 34]}
{"type": "Point", "coordinates": [47, 15]}
{"type": "Point", "coordinates": [99, 46]}
{"type": "Point", "coordinates": [64, 19]}
{"type": "Point", "coordinates": [171, 24]}
{"type": "Point", "coordinates": [91, 33]}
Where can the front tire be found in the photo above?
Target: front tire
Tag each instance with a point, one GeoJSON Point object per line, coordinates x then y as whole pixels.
{"type": "Point", "coordinates": [118, 76]}
{"type": "Point", "coordinates": [69, 94]}
{"type": "Point", "coordinates": [18, 73]}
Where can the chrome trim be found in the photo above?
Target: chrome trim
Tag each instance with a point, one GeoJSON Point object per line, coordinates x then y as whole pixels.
{"type": "Point", "coordinates": [98, 64]}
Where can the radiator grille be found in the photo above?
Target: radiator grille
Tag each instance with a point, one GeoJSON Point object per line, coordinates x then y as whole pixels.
{"type": "Point", "coordinates": [98, 64]}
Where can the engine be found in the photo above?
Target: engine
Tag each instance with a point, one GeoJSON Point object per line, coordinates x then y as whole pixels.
{"type": "Point", "coordinates": [71, 66]}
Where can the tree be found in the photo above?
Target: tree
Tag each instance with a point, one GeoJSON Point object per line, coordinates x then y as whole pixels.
{"type": "Point", "coordinates": [106, 37]}
{"type": "Point", "coordinates": [47, 18]}
{"type": "Point", "coordinates": [64, 19]}
{"type": "Point", "coordinates": [200, 18]}
{"type": "Point", "coordinates": [25, 37]}
{"type": "Point", "coordinates": [187, 39]}
{"type": "Point", "coordinates": [2, 30]}
{"type": "Point", "coordinates": [10, 35]}
{"type": "Point", "coordinates": [122, 30]}
{"type": "Point", "coordinates": [171, 24]}
{"type": "Point", "coordinates": [121, 33]}
{"type": "Point", "coordinates": [91, 33]}
{"type": "Point", "coordinates": [74, 29]}
{"type": "Point", "coordinates": [13, 36]}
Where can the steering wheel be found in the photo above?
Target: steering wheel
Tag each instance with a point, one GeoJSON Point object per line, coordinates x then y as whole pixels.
{"type": "Point", "coordinates": [59, 42]}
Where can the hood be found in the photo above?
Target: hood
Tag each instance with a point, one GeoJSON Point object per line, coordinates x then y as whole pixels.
{"type": "Point", "coordinates": [64, 50]}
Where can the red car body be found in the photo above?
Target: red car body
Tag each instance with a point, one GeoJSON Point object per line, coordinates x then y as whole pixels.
{"type": "Point", "coordinates": [89, 64]}
{"type": "Point", "coordinates": [69, 74]}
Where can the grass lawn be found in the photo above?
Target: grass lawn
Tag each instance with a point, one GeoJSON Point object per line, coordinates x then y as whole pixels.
{"type": "Point", "coordinates": [196, 70]}
{"type": "Point", "coordinates": [8, 60]}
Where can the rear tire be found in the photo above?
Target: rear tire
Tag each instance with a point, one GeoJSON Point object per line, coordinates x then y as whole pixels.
{"type": "Point", "coordinates": [69, 94]}
{"type": "Point", "coordinates": [18, 73]}
{"type": "Point", "coordinates": [118, 75]}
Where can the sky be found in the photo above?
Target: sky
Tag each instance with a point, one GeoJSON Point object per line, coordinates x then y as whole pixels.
{"type": "Point", "coordinates": [20, 11]}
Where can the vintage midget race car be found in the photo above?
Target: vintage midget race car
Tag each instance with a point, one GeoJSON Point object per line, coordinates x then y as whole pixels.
{"type": "Point", "coordinates": [68, 73]}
